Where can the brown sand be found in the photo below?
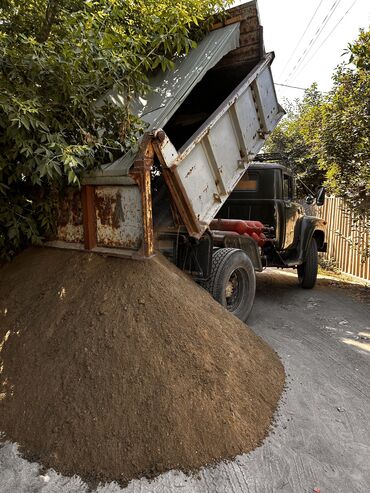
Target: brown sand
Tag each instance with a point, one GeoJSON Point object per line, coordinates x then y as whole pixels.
{"type": "Point", "coordinates": [113, 369]}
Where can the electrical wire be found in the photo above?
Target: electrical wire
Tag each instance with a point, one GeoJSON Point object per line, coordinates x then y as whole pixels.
{"type": "Point", "coordinates": [291, 87]}
{"type": "Point", "coordinates": [324, 41]}
{"type": "Point", "coordinates": [314, 38]}
{"type": "Point", "coordinates": [300, 39]}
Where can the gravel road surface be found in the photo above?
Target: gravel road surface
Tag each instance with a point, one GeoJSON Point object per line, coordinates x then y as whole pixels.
{"type": "Point", "coordinates": [321, 438]}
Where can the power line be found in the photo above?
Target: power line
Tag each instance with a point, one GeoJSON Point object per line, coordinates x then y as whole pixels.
{"type": "Point", "coordinates": [300, 39]}
{"type": "Point", "coordinates": [327, 37]}
{"type": "Point", "coordinates": [292, 87]}
{"type": "Point", "coordinates": [296, 87]}
{"type": "Point", "coordinates": [314, 38]}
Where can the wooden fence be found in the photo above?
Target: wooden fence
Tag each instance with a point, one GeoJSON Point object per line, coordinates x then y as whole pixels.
{"type": "Point", "coordinates": [347, 240]}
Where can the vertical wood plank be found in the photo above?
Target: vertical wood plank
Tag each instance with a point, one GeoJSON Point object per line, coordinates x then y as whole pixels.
{"type": "Point", "coordinates": [336, 237]}
{"type": "Point", "coordinates": [342, 240]}
{"type": "Point", "coordinates": [347, 234]}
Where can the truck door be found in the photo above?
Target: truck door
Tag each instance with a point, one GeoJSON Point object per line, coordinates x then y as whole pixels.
{"type": "Point", "coordinates": [292, 210]}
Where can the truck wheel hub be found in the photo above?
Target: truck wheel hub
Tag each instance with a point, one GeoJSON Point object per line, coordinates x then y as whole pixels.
{"type": "Point", "coordinates": [232, 289]}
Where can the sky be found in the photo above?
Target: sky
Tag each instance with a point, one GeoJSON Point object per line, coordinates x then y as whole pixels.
{"type": "Point", "coordinates": [309, 38]}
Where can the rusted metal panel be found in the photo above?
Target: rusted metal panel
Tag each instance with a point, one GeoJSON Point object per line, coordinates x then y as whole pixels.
{"type": "Point", "coordinates": [251, 37]}
{"type": "Point", "coordinates": [119, 217]}
{"type": "Point", "coordinates": [226, 22]}
{"type": "Point", "coordinates": [141, 173]}
{"type": "Point", "coordinates": [246, 54]}
{"type": "Point", "coordinates": [70, 220]}
{"type": "Point", "coordinates": [106, 218]}
{"type": "Point", "coordinates": [70, 233]}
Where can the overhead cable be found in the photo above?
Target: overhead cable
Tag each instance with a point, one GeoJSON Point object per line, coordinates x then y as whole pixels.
{"type": "Point", "coordinates": [324, 41]}
{"type": "Point", "coordinates": [315, 38]}
{"type": "Point", "coordinates": [291, 87]}
{"type": "Point", "coordinates": [300, 39]}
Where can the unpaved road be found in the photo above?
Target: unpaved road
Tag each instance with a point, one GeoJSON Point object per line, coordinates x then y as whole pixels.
{"type": "Point", "coordinates": [321, 438]}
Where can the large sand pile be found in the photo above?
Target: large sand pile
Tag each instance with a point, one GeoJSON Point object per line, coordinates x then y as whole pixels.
{"type": "Point", "coordinates": [115, 369]}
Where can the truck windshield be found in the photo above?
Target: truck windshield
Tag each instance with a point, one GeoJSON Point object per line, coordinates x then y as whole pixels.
{"type": "Point", "coordinates": [249, 181]}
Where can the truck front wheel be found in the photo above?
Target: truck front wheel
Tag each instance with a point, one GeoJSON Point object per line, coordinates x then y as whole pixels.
{"type": "Point", "coordinates": [307, 272]}
{"type": "Point", "coordinates": [233, 281]}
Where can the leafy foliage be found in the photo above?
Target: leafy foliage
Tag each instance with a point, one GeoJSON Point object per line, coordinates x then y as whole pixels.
{"type": "Point", "coordinates": [57, 58]}
{"type": "Point", "coordinates": [342, 141]}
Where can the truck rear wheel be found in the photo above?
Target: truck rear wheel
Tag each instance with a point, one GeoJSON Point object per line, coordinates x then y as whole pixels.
{"type": "Point", "coordinates": [233, 281]}
{"type": "Point", "coordinates": [307, 272]}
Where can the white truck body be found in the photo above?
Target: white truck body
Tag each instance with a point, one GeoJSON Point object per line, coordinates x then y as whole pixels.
{"type": "Point", "coordinates": [210, 164]}
{"type": "Point", "coordinates": [206, 120]}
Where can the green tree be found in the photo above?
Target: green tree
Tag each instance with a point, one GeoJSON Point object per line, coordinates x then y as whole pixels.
{"type": "Point", "coordinates": [57, 58]}
{"type": "Point", "coordinates": [341, 140]}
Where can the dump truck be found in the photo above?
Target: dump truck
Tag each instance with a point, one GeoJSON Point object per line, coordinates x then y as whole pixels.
{"type": "Point", "coordinates": [206, 120]}
{"type": "Point", "coordinates": [263, 217]}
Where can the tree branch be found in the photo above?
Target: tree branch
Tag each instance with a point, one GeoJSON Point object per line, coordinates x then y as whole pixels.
{"type": "Point", "coordinates": [50, 15]}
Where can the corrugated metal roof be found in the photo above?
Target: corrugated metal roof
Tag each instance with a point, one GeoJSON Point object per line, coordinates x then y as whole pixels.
{"type": "Point", "coordinates": [169, 90]}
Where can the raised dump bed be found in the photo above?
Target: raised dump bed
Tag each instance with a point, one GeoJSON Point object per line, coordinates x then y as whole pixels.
{"type": "Point", "coordinates": [206, 120]}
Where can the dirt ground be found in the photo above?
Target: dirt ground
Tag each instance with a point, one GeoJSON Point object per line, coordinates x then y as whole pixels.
{"type": "Point", "coordinates": [110, 371]}
{"type": "Point", "coordinates": [321, 440]}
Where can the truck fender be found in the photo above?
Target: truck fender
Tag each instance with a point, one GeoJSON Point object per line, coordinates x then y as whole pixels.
{"type": "Point", "coordinates": [249, 246]}
{"type": "Point", "coordinates": [311, 227]}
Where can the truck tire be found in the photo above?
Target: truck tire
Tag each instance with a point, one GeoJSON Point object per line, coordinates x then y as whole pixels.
{"type": "Point", "coordinates": [307, 272]}
{"type": "Point", "coordinates": [233, 281]}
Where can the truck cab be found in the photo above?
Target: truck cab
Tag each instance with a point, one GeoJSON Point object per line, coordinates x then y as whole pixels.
{"type": "Point", "coordinates": [267, 193]}
{"type": "Point", "coordinates": [263, 225]}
